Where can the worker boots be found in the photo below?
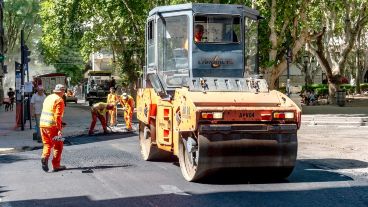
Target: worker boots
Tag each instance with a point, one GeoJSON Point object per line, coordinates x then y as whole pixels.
{"type": "Point", "coordinates": [45, 164]}
{"type": "Point", "coordinates": [60, 168]}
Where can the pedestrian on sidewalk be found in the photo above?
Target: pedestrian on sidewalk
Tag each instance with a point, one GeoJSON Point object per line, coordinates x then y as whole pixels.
{"type": "Point", "coordinates": [99, 110]}
{"type": "Point", "coordinates": [127, 102]}
{"type": "Point", "coordinates": [112, 98]}
{"type": "Point", "coordinates": [36, 109]}
{"type": "Point", "coordinates": [51, 128]}
{"type": "Point", "coordinates": [11, 95]}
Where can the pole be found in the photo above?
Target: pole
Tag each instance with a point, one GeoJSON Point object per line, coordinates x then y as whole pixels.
{"type": "Point", "coordinates": [288, 72]}
{"type": "Point", "coordinates": [1, 48]}
{"type": "Point", "coordinates": [22, 78]}
{"type": "Point", "coordinates": [305, 74]}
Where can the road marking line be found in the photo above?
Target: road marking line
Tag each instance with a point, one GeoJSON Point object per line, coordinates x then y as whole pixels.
{"type": "Point", "coordinates": [4, 204]}
{"type": "Point", "coordinates": [172, 189]}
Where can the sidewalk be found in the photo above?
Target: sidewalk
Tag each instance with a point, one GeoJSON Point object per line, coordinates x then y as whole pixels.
{"type": "Point", "coordinates": [353, 114]}
{"type": "Point", "coordinates": [77, 119]}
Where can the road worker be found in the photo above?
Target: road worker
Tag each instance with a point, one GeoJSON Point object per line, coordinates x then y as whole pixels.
{"type": "Point", "coordinates": [127, 102]}
{"type": "Point", "coordinates": [69, 93]}
{"type": "Point", "coordinates": [51, 126]}
{"type": "Point", "coordinates": [99, 111]}
{"type": "Point", "coordinates": [112, 98]}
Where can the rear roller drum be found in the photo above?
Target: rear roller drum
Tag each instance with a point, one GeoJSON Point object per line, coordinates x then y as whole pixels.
{"type": "Point", "coordinates": [149, 151]}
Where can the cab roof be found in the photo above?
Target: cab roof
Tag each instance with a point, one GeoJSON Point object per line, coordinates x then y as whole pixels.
{"type": "Point", "coordinates": [208, 9]}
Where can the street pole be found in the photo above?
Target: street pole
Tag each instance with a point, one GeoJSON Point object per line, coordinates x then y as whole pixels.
{"type": "Point", "coordinates": [305, 72]}
{"type": "Point", "coordinates": [288, 72]}
{"type": "Point", "coordinates": [1, 49]}
{"type": "Point", "coordinates": [22, 78]}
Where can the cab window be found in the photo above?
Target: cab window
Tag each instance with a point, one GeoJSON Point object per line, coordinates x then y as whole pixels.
{"type": "Point", "coordinates": [150, 43]}
{"type": "Point", "coordinates": [172, 50]}
{"type": "Point", "coordinates": [216, 29]}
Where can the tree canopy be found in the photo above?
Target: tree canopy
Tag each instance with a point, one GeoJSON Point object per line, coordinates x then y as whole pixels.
{"type": "Point", "coordinates": [73, 29]}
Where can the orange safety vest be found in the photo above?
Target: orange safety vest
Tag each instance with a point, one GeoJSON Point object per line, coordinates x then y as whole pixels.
{"type": "Point", "coordinates": [128, 103]}
{"type": "Point", "coordinates": [112, 98]}
{"type": "Point", "coordinates": [50, 114]}
{"type": "Point", "coordinates": [99, 108]}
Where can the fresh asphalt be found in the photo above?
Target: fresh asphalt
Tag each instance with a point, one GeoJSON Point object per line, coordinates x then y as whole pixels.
{"type": "Point", "coordinates": [107, 170]}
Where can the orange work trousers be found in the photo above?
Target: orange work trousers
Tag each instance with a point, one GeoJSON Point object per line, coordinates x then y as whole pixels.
{"type": "Point", "coordinates": [128, 117]}
{"type": "Point", "coordinates": [94, 120]}
{"type": "Point", "coordinates": [112, 114]}
{"type": "Point", "coordinates": [47, 135]}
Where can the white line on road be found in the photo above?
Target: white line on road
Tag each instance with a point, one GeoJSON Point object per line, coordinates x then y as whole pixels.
{"type": "Point", "coordinates": [4, 204]}
{"type": "Point", "coordinates": [172, 189]}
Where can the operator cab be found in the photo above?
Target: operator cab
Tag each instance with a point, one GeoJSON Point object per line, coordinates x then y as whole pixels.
{"type": "Point", "coordinates": [209, 47]}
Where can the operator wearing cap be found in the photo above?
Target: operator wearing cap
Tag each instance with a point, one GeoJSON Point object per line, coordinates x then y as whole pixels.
{"type": "Point", "coordinates": [51, 126]}
{"type": "Point", "coordinates": [127, 102]}
{"type": "Point", "coordinates": [99, 111]}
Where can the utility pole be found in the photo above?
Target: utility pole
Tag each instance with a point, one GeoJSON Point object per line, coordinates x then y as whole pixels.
{"type": "Point", "coordinates": [22, 78]}
{"type": "Point", "coordinates": [288, 60]}
{"type": "Point", "coordinates": [2, 50]}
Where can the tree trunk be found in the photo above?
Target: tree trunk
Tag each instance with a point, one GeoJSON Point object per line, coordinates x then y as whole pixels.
{"type": "Point", "coordinates": [332, 88]}
{"type": "Point", "coordinates": [359, 66]}
{"type": "Point", "coordinates": [275, 73]}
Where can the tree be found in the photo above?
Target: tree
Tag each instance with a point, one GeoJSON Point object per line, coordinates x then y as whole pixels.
{"type": "Point", "coordinates": [341, 22]}
{"type": "Point", "coordinates": [19, 15]}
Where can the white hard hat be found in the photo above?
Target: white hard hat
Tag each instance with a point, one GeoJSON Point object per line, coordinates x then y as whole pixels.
{"type": "Point", "coordinates": [124, 95]}
{"type": "Point", "coordinates": [59, 88]}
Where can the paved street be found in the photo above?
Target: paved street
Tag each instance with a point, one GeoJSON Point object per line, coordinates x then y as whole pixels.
{"type": "Point", "coordinates": [332, 170]}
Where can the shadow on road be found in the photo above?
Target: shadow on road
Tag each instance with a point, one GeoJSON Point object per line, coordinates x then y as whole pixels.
{"type": "Point", "coordinates": [304, 171]}
{"type": "Point", "coordinates": [2, 191]}
{"type": "Point", "coordinates": [85, 139]}
{"type": "Point", "coordinates": [99, 167]}
{"type": "Point", "coordinates": [327, 196]}
{"type": "Point", "coordinates": [11, 158]}
{"type": "Point", "coordinates": [336, 164]}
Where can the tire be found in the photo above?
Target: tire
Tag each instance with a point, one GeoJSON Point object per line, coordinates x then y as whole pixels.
{"type": "Point", "coordinates": [191, 171]}
{"type": "Point", "coordinates": [149, 150]}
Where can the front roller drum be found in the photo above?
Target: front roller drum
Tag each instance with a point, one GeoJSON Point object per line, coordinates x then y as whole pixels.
{"type": "Point", "coordinates": [220, 151]}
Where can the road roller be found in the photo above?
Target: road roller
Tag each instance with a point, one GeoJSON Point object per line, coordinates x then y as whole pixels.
{"type": "Point", "coordinates": [202, 100]}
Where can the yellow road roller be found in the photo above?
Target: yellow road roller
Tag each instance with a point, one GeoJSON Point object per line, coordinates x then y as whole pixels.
{"type": "Point", "coordinates": [201, 98]}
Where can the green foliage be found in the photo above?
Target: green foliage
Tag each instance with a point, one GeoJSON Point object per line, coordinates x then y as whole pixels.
{"type": "Point", "coordinates": [321, 91]}
{"type": "Point", "coordinates": [282, 89]}
{"type": "Point", "coordinates": [364, 86]}
{"type": "Point", "coordinates": [20, 15]}
{"type": "Point", "coordinates": [87, 26]}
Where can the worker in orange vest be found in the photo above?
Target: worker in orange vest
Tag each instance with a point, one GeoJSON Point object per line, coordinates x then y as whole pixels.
{"type": "Point", "coordinates": [127, 102]}
{"type": "Point", "coordinates": [51, 126]}
{"type": "Point", "coordinates": [99, 111]}
{"type": "Point", "coordinates": [112, 98]}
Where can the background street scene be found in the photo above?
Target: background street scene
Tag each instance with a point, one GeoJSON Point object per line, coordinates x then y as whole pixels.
{"type": "Point", "coordinates": [183, 103]}
{"type": "Point", "coordinates": [107, 170]}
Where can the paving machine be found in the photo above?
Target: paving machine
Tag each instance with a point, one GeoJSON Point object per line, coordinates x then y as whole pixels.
{"type": "Point", "coordinates": [202, 100]}
{"type": "Point", "coordinates": [97, 86]}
